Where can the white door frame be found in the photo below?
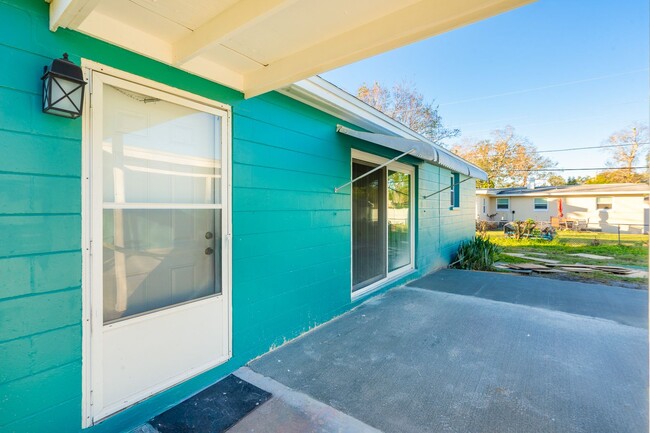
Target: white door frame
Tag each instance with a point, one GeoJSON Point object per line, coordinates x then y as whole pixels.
{"type": "Point", "coordinates": [92, 297]}
{"type": "Point", "coordinates": [397, 273]}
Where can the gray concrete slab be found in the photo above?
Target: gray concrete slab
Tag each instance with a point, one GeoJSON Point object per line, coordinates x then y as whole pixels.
{"type": "Point", "coordinates": [625, 306]}
{"type": "Point", "coordinates": [289, 411]}
{"type": "Point", "coordinates": [416, 360]}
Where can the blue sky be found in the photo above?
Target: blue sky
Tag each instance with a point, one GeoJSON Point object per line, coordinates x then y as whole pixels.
{"type": "Point", "coordinates": [563, 73]}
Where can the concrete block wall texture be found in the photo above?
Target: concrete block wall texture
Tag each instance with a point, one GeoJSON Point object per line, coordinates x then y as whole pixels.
{"type": "Point", "coordinates": [291, 232]}
{"type": "Point", "coordinates": [442, 228]}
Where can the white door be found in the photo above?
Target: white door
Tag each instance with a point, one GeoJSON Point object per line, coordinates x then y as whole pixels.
{"type": "Point", "coordinates": [159, 217]}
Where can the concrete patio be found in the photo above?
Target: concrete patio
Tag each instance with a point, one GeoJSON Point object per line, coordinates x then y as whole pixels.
{"type": "Point", "coordinates": [462, 351]}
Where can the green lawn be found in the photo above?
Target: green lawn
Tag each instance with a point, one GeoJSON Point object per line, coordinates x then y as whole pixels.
{"type": "Point", "coordinates": [632, 252]}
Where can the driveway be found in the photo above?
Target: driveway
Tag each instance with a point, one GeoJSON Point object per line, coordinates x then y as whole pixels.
{"type": "Point", "coordinates": [461, 351]}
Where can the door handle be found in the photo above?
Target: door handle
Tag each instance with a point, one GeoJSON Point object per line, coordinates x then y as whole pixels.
{"type": "Point", "coordinates": [208, 235]}
{"type": "Point", "coordinates": [208, 251]}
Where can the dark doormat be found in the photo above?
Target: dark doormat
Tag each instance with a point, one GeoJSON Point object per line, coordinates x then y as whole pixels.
{"type": "Point", "coordinates": [213, 410]}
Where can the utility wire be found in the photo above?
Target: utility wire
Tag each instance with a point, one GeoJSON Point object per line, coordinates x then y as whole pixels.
{"type": "Point", "coordinates": [549, 86]}
{"type": "Point", "coordinates": [581, 169]}
{"type": "Point", "coordinates": [590, 147]}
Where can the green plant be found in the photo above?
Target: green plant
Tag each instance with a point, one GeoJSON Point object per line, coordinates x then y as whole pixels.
{"type": "Point", "coordinates": [477, 254]}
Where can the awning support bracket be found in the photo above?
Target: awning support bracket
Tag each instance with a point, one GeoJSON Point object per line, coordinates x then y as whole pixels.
{"type": "Point", "coordinates": [444, 189]}
{"type": "Point", "coordinates": [374, 169]}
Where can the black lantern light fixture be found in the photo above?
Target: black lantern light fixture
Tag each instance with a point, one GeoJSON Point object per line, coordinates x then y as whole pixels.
{"type": "Point", "coordinates": [63, 88]}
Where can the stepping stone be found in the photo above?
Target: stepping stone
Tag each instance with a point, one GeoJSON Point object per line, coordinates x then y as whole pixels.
{"type": "Point", "coordinates": [578, 270]}
{"type": "Point", "coordinates": [637, 274]}
{"type": "Point", "coordinates": [505, 267]}
{"type": "Point", "coordinates": [591, 256]}
{"type": "Point", "coordinates": [537, 259]}
{"type": "Point", "coordinates": [533, 266]}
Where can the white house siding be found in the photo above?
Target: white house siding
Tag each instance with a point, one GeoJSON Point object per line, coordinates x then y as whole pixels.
{"type": "Point", "coordinates": [524, 208]}
{"type": "Point", "coordinates": [630, 212]}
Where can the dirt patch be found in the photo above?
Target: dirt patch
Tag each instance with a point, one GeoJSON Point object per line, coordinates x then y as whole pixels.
{"type": "Point", "coordinates": [594, 279]}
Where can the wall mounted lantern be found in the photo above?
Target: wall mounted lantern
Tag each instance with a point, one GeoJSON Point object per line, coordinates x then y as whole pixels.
{"type": "Point", "coordinates": [63, 88]}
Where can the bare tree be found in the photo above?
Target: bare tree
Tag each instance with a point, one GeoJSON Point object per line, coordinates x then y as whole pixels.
{"type": "Point", "coordinates": [508, 159]}
{"type": "Point", "coordinates": [632, 144]}
{"type": "Point", "coordinates": [405, 104]}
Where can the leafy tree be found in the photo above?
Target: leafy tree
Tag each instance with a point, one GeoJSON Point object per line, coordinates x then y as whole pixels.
{"type": "Point", "coordinates": [508, 159]}
{"type": "Point", "coordinates": [618, 176]}
{"type": "Point", "coordinates": [555, 180]}
{"type": "Point", "coordinates": [405, 104]}
{"type": "Point", "coordinates": [577, 180]}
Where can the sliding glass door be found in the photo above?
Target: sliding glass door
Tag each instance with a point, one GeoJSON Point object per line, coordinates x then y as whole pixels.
{"type": "Point", "coordinates": [368, 225]}
{"type": "Point", "coordinates": [382, 212]}
{"type": "Point", "coordinates": [399, 220]}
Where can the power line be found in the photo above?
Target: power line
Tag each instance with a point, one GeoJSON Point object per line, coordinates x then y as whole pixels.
{"type": "Point", "coordinates": [581, 169]}
{"type": "Point", "coordinates": [590, 147]}
{"type": "Point", "coordinates": [549, 86]}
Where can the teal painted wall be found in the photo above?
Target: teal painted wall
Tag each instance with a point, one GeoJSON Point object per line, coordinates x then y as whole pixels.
{"type": "Point", "coordinates": [291, 233]}
{"type": "Point", "coordinates": [441, 227]}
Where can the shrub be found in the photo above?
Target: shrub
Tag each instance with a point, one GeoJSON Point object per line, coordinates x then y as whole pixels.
{"type": "Point", "coordinates": [484, 226]}
{"type": "Point", "coordinates": [520, 229]}
{"type": "Point", "coordinates": [477, 254]}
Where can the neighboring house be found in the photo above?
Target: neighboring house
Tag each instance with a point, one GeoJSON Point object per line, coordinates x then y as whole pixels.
{"type": "Point", "coordinates": [603, 207]}
{"type": "Point", "coordinates": [182, 227]}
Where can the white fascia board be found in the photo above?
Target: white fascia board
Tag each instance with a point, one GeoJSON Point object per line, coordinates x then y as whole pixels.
{"type": "Point", "coordinates": [598, 193]}
{"type": "Point", "coordinates": [571, 194]}
{"type": "Point", "coordinates": [325, 96]}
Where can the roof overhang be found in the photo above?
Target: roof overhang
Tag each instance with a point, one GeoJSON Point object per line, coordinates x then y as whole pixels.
{"type": "Point", "coordinates": [382, 129]}
{"type": "Point", "coordinates": [562, 193]}
{"type": "Point", "coordinates": [255, 46]}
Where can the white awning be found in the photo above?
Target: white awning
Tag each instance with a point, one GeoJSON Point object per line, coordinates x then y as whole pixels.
{"type": "Point", "coordinates": [423, 150]}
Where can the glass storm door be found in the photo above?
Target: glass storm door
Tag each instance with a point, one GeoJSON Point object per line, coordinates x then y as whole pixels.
{"type": "Point", "coordinates": [159, 225]}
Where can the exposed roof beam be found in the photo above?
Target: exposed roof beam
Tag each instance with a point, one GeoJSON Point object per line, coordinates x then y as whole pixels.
{"type": "Point", "coordinates": [237, 17]}
{"type": "Point", "coordinates": [117, 32]}
{"type": "Point", "coordinates": [215, 72]}
{"type": "Point", "coordinates": [410, 24]}
{"type": "Point", "coordinates": [67, 13]}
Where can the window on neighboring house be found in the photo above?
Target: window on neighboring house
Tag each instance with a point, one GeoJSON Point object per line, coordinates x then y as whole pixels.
{"type": "Point", "coordinates": [603, 202]}
{"type": "Point", "coordinates": [455, 190]}
{"type": "Point", "coordinates": [484, 207]}
{"type": "Point", "coordinates": [541, 204]}
{"type": "Point", "coordinates": [503, 203]}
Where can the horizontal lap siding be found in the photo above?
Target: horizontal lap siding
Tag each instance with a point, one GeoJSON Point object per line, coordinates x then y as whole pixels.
{"type": "Point", "coordinates": [291, 247]}
{"type": "Point", "coordinates": [442, 229]}
{"type": "Point", "coordinates": [40, 226]}
{"type": "Point", "coordinates": [291, 232]}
